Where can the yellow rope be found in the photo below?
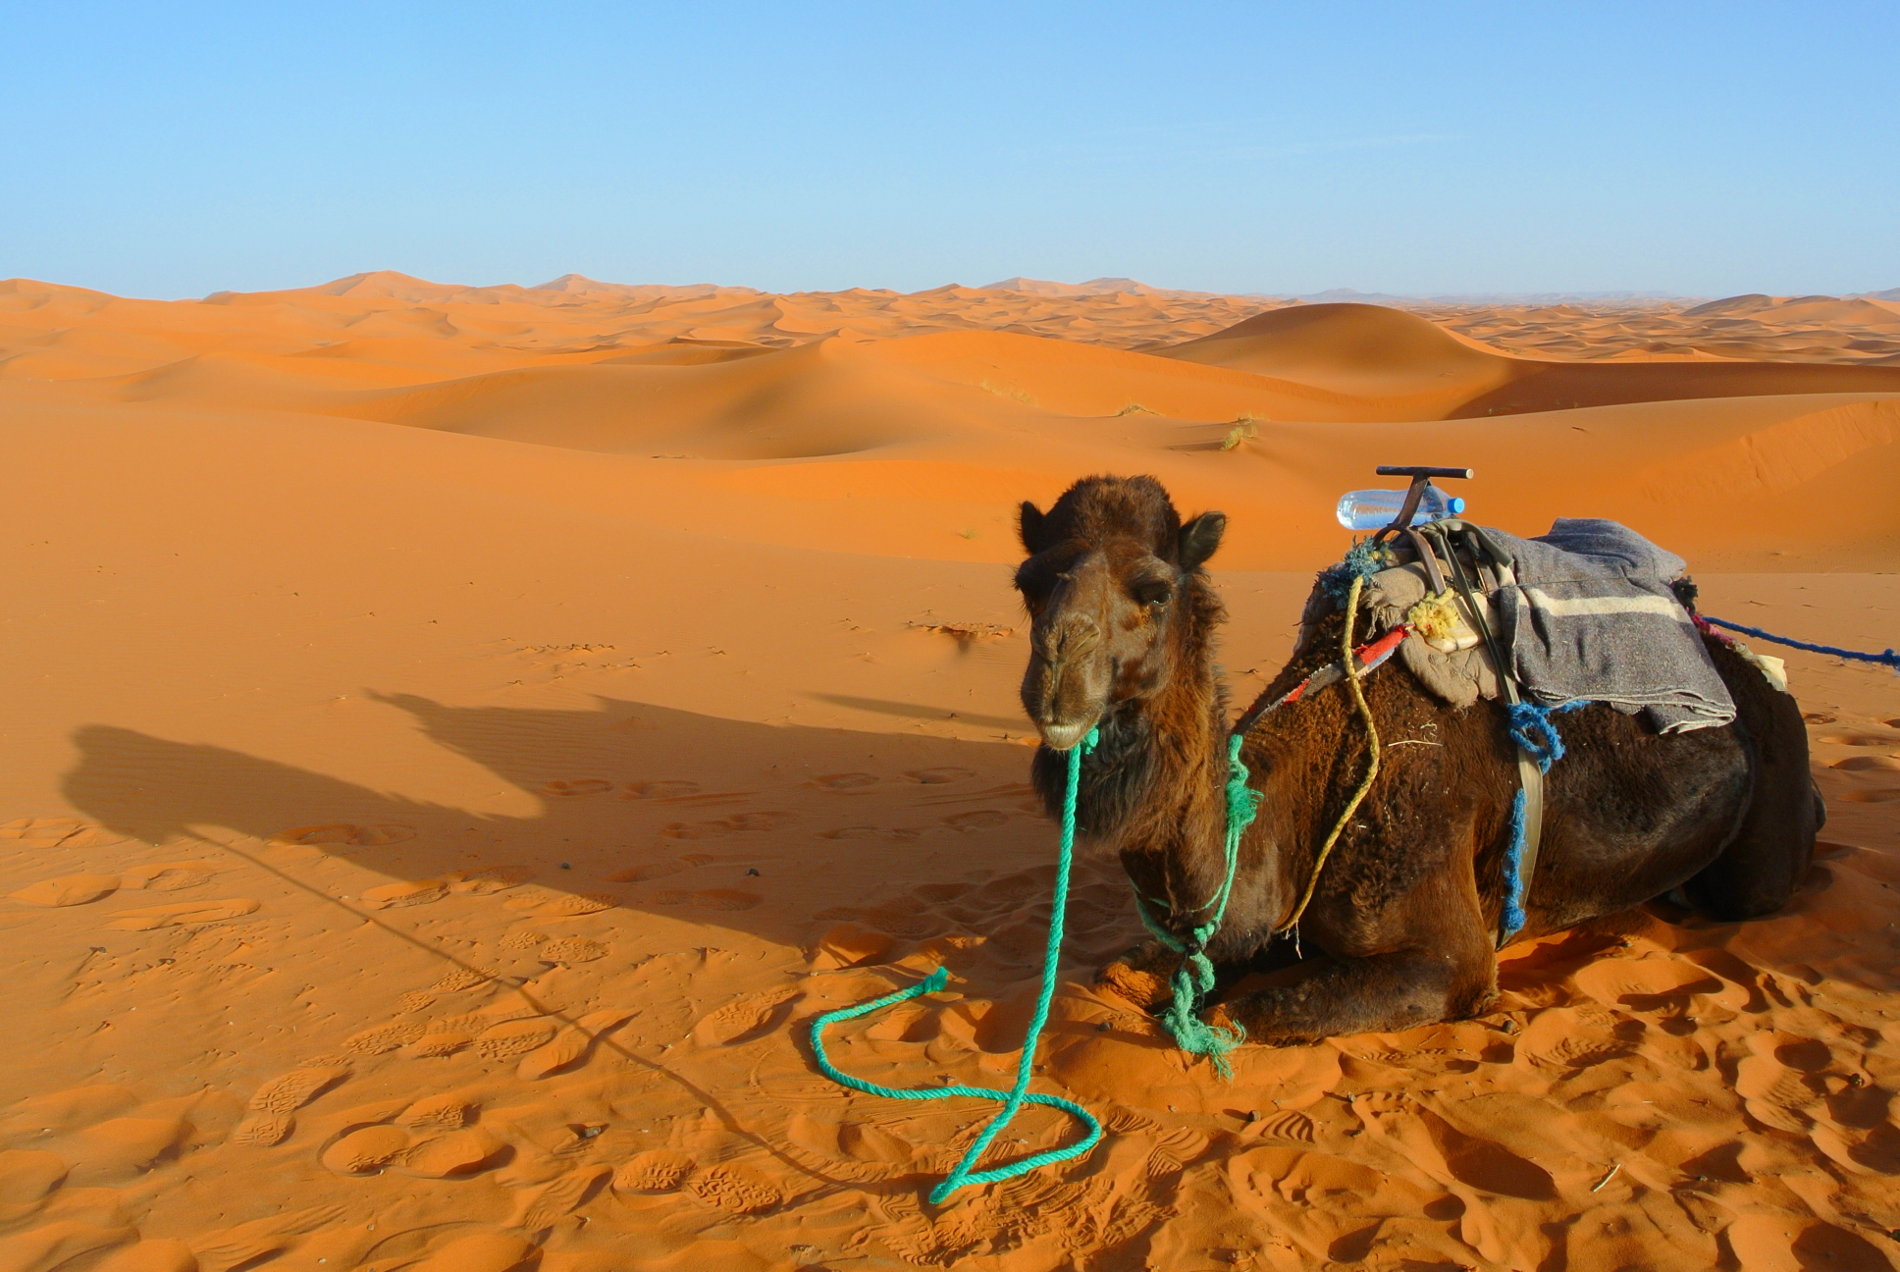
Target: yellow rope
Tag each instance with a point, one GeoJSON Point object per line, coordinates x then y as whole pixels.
{"type": "Point", "coordinates": [1372, 758]}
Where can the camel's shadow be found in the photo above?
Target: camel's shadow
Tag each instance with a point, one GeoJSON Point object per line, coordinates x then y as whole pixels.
{"type": "Point", "coordinates": [738, 825]}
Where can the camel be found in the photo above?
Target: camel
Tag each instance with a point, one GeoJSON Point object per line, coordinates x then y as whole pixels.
{"type": "Point", "coordinates": [1402, 924]}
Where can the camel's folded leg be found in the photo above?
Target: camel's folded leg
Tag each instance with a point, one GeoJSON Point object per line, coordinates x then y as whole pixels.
{"type": "Point", "coordinates": [1141, 975]}
{"type": "Point", "coordinates": [1361, 995]}
{"type": "Point", "coordinates": [1145, 974]}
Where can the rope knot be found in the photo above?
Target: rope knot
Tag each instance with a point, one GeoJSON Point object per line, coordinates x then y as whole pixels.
{"type": "Point", "coordinates": [1530, 728]}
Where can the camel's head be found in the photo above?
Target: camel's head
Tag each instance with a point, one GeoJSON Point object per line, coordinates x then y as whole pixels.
{"type": "Point", "coordinates": [1110, 567]}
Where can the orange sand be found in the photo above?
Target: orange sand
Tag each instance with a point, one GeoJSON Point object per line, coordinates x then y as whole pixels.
{"type": "Point", "coordinates": [460, 735]}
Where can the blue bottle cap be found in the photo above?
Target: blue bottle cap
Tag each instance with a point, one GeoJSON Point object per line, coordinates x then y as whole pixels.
{"type": "Point", "coordinates": [1456, 505]}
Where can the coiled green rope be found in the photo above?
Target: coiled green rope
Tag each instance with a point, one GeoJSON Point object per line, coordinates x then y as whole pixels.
{"type": "Point", "coordinates": [1194, 974]}
{"type": "Point", "coordinates": [963, 1173]}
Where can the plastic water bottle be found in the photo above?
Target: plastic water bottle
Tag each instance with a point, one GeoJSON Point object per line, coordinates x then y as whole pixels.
{"type": "Point", "coordinates": [1375, 509]}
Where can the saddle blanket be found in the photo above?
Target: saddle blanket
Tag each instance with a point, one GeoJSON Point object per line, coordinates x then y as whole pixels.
{"type": "Point", "coordinates": [1590, 616]}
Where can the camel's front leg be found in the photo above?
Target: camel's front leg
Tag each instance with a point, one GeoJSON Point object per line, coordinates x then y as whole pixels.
{"type": "Point", "coordinates": [1362, 995]}
{"type": "Point", "coordinates": [1145, 974]}
{"type": "Point", "coordinates": [1141, 975]}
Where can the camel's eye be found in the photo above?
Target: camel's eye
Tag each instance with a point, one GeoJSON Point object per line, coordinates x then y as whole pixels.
{"type": "Point", "coordinates": [1034, 586]}
{"type": "Point", "coordinates": [1155, 592]}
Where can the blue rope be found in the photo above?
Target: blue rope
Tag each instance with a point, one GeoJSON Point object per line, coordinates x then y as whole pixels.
{"type": "Point", "coordinates": [1887, 659]}
{"type": "Point", "coordinates": [1512, 919]}
{"type": "Point", "coordinates": [1531, 729]}
{"type": "Point", "coordinates": [962, 1174]}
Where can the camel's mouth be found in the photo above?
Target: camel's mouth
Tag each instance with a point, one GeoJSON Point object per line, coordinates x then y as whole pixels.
{"type": "Point", "coordinates": [1063, 737]}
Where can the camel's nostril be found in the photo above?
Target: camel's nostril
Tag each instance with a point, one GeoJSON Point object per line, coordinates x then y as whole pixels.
{"type": "Point", "coordinates": [1070, 639]}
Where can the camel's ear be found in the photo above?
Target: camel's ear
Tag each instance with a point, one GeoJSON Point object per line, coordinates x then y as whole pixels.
{"type": "Point", "coordinates": [1200, 537]}
{"type": "Point", "coordinates": [1029, 524]}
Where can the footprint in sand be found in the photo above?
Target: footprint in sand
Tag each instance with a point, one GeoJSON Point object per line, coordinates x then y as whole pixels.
{"type": "Point", "coordinates": [513, 1038]}
{"type": "Point", "coordinates": [659, 1170]}
{"type": "Point", "coordinates": [1868, 764]}
{"type": "Point", "coordinates": [263, 1130]}
{"type": "Point", "coordinates": [843, 781]}
{"type": "Point", "coordinates": [743, 1019]}
{"type": "Point", "coordinates": [976, 819]}
{"type": "Point", "coordinates": [434, 1044]}
{"type": "Point", "coordinates": [837, 1144]}
{"type": "Point", "coordinates": [1774, 1083]}
{"type": "Point", "coordinates": [730, 900]}
{"type": "Point", "coordinates": [58, 832]}
{"type": "Point", "coordinates": [1662, 985]}
{"type": "Point", "coordinates": [347, 834]}
{"type": "Point", "coordinates": [659, 790]}
{"type": "Point", "coordinates": [458, 979]}
{"type": "Point", "coordinates": [571, 1045]}
{"type": "Point", "coordinates": [577, 786]}
{"type": "Point", "coordinates": [269, 1121]}
{"type": "Point", "coordinates": [1860, 739]}
{"type": "Point", "coordinates": [548, 1205]}
{"type": "Point", "coordinates": [648, 871]}
{"type": "Point", "coordinates": [398, 896]}
{"type": "Point", "coordinates": [482, 881]}
{"type": "Point", "coordinates": [365, 1150]}
{"type": "Point", "coordinates": [291, 1091]}
{"type": "Point", "coordinates": [568, 950]}
{"type": "Point", "coordinates": [546, 903]}
{"type": "Point", "coordinates": [183, 914]}
{"type": "Point", "coordinates": [169, 876]}
{"type": "Point", "coordinates": [374, 1042]}
{"type": "Point", "coordinates": [1175, 1150]}
{"type": "Point", "coordinates": [735, 1189]}
{"type": "Point", "coordinates": [1569, 1038]}
{"type": "Point", "coordinates": [848, 945]}
{"type": "Point", "coordinates": [1288, 1127]}
{"type": "Point", "coordinates": [851, 832]}
{"type": "Point", "coordinates": [449, 1112]}
{"type": "Point", "coordinates": [455, 1155]}
{"type": "Point", "coordinates": [735, 824]}
{"type": "Point", "coordinates": [73, 889]}
{"type": "Point", "coordinates": [938, 776]}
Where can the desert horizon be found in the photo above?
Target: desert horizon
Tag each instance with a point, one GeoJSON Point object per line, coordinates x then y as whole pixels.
{"type": "Point", "coordinates": [460, 736]}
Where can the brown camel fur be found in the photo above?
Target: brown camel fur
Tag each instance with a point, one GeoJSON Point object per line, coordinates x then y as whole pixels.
{"type": "Point", "coordinates": [1401, 928]}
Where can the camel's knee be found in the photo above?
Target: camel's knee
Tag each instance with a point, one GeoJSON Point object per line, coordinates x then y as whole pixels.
{"type": "Point", "coordinates": [1142, 975]}
{"type": "Point", "coordinates": [1380, 993]}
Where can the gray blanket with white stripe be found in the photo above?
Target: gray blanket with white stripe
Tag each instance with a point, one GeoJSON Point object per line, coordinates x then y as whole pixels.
{"type": "Point", "coordinates": [1592, 616]}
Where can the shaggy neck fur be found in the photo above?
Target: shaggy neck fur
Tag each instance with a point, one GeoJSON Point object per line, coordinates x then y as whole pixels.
{"type": "Point", "coordinates": [1153, 790]}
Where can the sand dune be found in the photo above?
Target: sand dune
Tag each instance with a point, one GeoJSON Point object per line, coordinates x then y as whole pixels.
{"type": "Point", "coordinates": [1427, 372]}
{"type": "Point", "coordinates": [459, 737]}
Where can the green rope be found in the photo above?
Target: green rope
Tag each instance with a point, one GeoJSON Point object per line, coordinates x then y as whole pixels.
{"type": "Point", "coordinates": [963, 1174]}
{"type": "Point", "coordinates": [1194, 974]}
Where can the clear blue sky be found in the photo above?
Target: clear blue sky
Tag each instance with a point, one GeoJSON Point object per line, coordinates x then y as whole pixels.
{"type": "Point", "coordinates": [1697, 148]}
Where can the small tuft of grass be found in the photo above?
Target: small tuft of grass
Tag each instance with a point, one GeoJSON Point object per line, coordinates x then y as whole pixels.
{"type": "Point", "coordinates": [1136, 408]}
{"type": "Point", "coordinates": [1246, 428]}
{"type": "Point", "coordinates": [968, 534]}
{"type": "Point", "coordinates": [1021, 395]}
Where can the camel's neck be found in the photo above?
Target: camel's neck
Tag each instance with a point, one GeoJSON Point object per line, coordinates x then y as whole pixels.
{"type": "Point", "coordinates": [1154, 792]}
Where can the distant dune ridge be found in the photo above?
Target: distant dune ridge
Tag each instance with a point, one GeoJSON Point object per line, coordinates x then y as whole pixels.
{"type": "Point", "coordinates": [458, 737]}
